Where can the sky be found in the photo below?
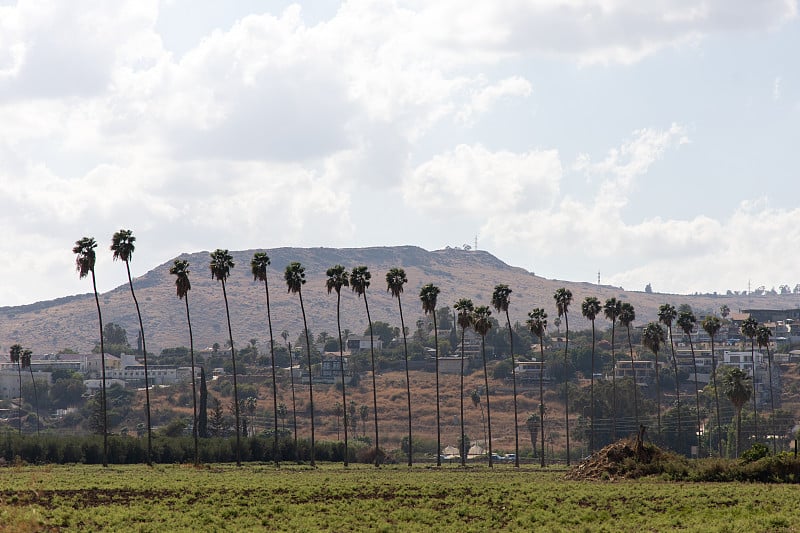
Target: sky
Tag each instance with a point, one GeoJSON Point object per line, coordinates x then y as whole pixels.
{"type": "Point", "coordinates": [653, 142]}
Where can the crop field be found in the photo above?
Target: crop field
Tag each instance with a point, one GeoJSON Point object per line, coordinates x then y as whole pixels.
{"type": "Point", "coordinates": [259, 497]}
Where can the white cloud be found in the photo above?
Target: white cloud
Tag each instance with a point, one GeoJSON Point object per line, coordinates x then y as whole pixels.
{"type": "Point", "coordinates": [776, 88]}
{"type": "Point", "coordinates": [482, 100]}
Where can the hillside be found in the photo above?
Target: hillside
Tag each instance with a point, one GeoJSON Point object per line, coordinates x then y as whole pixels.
{"type": "Point", "coordinates": [71, 322]}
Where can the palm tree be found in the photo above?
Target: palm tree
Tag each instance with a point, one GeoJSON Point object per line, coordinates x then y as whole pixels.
{"type": "Point", "coordinates": [749, 329]}
{"type": "Point", "coordinates": [611, 311]}
{"type": "Point", "coordinates": [295, 276]}
{"type": "Point", "coordinates": [220, 265]}
{"type": "Point", "coordinates": [395, 279]}
{"type": "Point", "coordinates": [475, 396]}
{"type": "Point", "coordinates": [687, 322]}
{"type": "Point", "coordinates": [537, 323]}
{"type": "Point", "coordinates": [122, 246]}
{"type": "Point", "coordinates": [84, 261]}
{"type": "Point", "coordinates": [627, 315]}
{"type": "Point", "coordinates": [465, 308]}
{"type": "Point", "coordinates": [711, 324]}
{"type": "Point", "coordinates": [285, 335]}
{"type": "Point", "coordinates": [500, 301]}
{"type": "Point", "coordinates": [15, 354]}
{"type": "Point", "coordinates": [762, 338]}
{"type": "Point", "coordinates": [359, 282]}
{"type": "Point", "coordinates": [482, 324]}
{"type": "Point", "coordinates": [258, 267]}
{"type": "Point", "coordinates": [667, 315]}
{"type": "Point", "coordinates": [653, 337]}
{"type": "Point", "coordinates": [180, 269]}
{"type": "Point", "coordinates": [427, 296]}
{"type": "Point", "coordinates": [563, 298]}
{"type": "Point", "coordinates": [738, 388]}
{"type": "Point", "coordinates": [25, 359]}
{"type": "Point", "coordinates": [590, 308]}
{"type": "Point", "coordinates": [338, 278]}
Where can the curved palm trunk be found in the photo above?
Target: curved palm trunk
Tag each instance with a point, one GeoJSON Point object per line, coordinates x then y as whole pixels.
{"type": "Point", "coordinates": [294, 402]}
{"type": "Point", "coordinates": [613, 385]}
{"type": "Point", "coordinates": [408, 380]}
{"type": "Point", "coordinates": [103, 373]}
{"type": "Point", "coordinates": [566, 381]}
{"type": "Point", "coordinates": [696, 398]}
{"type": "Point", "coordinates": [274, 380]}
{"type": "Point", "coordinates": [374, 385]}
{"type": "Point", "coordinates": [463, 451]}
{"type": "Point", "coordinates": [591, 396]}
{"type": "Point", "coordinates": [514, 379]}
{"type": "Point", "coordinates": [35, 398]}
{"type": "Point", "coordinates": [146, 379]}
{"type": "Point", "coordinates": [194, 385]}
{"type": "Point", "coordinates": [677, 389]}
{"type": "Point", "coordinates": [488, 406]}
{"type": "Point", "coordinates": [635, 385]}
{"type": "Point", "coordinates": [771, 401]}
{"type": "Point", "coordinates": [341, 369]}
{"type": "Point", "coordinates": [310, 378]}
{"type": "Point", "coordinates": [235, 383]}
{"type": "Point", "coordinates": [716, 396]}
{"type": "Point", "coordinates": [541, 400]}
{"type": "Point", "coordinates": [755, 389]}
{"type": "Point", "coordinates": [438, 425]}
{"type": "Point", "coordinates": [19, 403]}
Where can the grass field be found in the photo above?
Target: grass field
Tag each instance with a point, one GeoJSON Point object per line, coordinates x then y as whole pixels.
{"type": "Point", "coordinates": [258, 497]}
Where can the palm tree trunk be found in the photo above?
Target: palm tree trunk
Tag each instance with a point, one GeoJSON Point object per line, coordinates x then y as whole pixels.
{"type": "Point", "coordinates": [341, 369]}
{"type": "Point", "coordinates": [696, 398]}
{"type": "Point", "coordinates": [591, 396]}
{"type": "Point", "coordinates": [408, 380]}
{"type": "Point", "coordinates": [35, 398]}
{"type": "Point", "coordinates": [679, 440]}
{"type": "Point", "coordinates": [488, 405]}
{"type": "Point", "coordinates": [566, 381]}
{"type": "Point", "coordinates": [146, 380]}
{"type": "Point", "coordinates": [658, 398]}
{"type": "Point", "coordinates": [19, 402]}
{"type": "Point", "coordinates": [274, 380]}
{"type": "Point", "coordinates": [294, 402]}
{"type": "Point", "coordinates": [541, 398]}
{"type": "Point", "coordinates": [103, 373]}
{"type": "Point", "coordinates": [738, 430]}
{"type": "Point", "coordinates": [310, 378]}
{"type": "Point", "coordinates": [771, 401]}
{"type": "Point", "coordinates": [716, 396]}
{"type": "Point", "coordinates": [635, 386]}
{"type": "Point", "coordinates": [235, 383]}
{"type": "Point", "coordinates": [613, 385]}
{"type": "Point", "coordinates": [374, 385]}
{"type": "Point", "coordinates": [438, 425]}
{"type": "Point", "coordinates": [755, 388]}
{"type": "Point", "coordinates": [194, 385]}
{"type": "Point", "coordinates": [463, 444]}
{"type": "Point", "coordinates": [514, 379]}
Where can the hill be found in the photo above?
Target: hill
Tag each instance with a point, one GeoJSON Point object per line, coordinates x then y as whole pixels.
{"type": "Point", "coordinates": [71, 322]}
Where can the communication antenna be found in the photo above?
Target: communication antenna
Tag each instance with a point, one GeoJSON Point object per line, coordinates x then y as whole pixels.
{"type": "Point", "coordinates": [476, 242]}
{"type": "Point", "coordinates": [598, 277]}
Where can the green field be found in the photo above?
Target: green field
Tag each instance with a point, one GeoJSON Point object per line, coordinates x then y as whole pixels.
{"type": "Point", "coordinates": [258, 497]}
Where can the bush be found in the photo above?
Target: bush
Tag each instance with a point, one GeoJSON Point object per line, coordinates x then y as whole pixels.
{"type": "Point", "coordinates": [757, 451]}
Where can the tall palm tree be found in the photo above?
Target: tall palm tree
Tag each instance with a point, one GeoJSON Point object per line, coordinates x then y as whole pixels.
{"type": "Point", "coordinates": [762, 338]}
{"type": "Point", "coordinates": [359, 282]}
{"type": "Point", "coordinates": [590, 308]}
{"type": "Point", "coordinates": [627, 315]}
{"type": "Point", "coordinates": [500, 301]}
{"type": "Point", "coordinates": [84, 261]}
{"type": "Point", "coordinates": [749, 329]}
{"type": "Point", "coordinates": [180, 269]}
{"type": "Point", "coordinates": [15, 354]}
{"type": "Point", "coordinates": [427, 296]}
{"type": "Point", "coordinates": [653, 337]}
{"type": "Point", "coordinates": [220, 265]}
{"type": "Point", "coordinates": [465, 308]}
{"type": "Point", "coordinates": [687, 322]}
{"type": "Point", "coordinates": [25, 359]}
{"type": "Point", "coordinates": [611, 311]}
{"type": "Point", "coordinates": [737, 387]}
{"type": "Point", "coordinates": [338, 278]}
{"type": "Point", "coordinates": [711, 324]}
{"type": "Point", "coordinates": [537, 323]}
{"type": "Point", "coordinates": [563, 298]}
{"type": "Point", "coordinates": [122, 246]}
{"type": "Point", "coordinates": [285, 335]}
{"type": "Point", "coordinates": [667, 315]}
{"type": "Point", "coordinates": [395, 279]}
{"type": "Point", "coordinates": [482, 324]}
{"type": "Point", "coordinates": [258, 267]}
{"type": "Point", "coordinates": [475, 396]}
{"type": "Point", "coordinates": [295, 276]}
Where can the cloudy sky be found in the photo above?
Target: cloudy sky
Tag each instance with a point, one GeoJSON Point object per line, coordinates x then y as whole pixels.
{"type": "Point", "coordinates": [651, 141]}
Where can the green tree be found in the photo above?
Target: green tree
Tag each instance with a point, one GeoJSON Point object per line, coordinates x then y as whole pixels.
{"type": "Point", "coordinates": [537, 323]}
{"type": "Point", "coordinates": [500, 301]}
{"type": "Point", "coordinates": [295, 277]}
{"type": "Point", "coordinates": [220, 266]}
{"type": "Point", "coordinates": [627, 315]}
{"type": "Point", "coordinates": [202, 415]}
{"type": "Point", "coordinates": [464, 307]}
{"type": "Point", "coordinates": [611, 310]}
{"type": "Point", "coordinates": [749, 329]}
{"type": "Point", "coordinates": [122, 247]}
{"type": "Point", "coordinates": [475, 396]}
{"type": "Point", "coordinates": [653, 337]}
{"type": "Point", "coordinates": [338, 278]}
{"type": "Point", "coordinates": [667, 315]}
{"type": "Point", "coordinates": [395, 279]}
{"type": "Point", "coordinates": [763, 334]}
{"type": "Point", "coordinates": [738, 388]}
{"type": "Point", "coordinates": [359, 282]}
{"type": "Point", "coordinates": [482, 325]}
{"type": "Point", "coordinates": [711, 324]}
{"type": "Point", "coordinates": [563, 298]}
{"type": "Point", "coordinates": [85, 261]}
{"type": "Point", "coordinates": [532, 423]}
{"type": "Point", "coordinates": [428, 295]}
{"type": "Point", "coordinates": [590, 308]}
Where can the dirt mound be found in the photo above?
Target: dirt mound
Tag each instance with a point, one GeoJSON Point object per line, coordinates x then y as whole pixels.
{"type": "Point", "coordinates": [624, 458]}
